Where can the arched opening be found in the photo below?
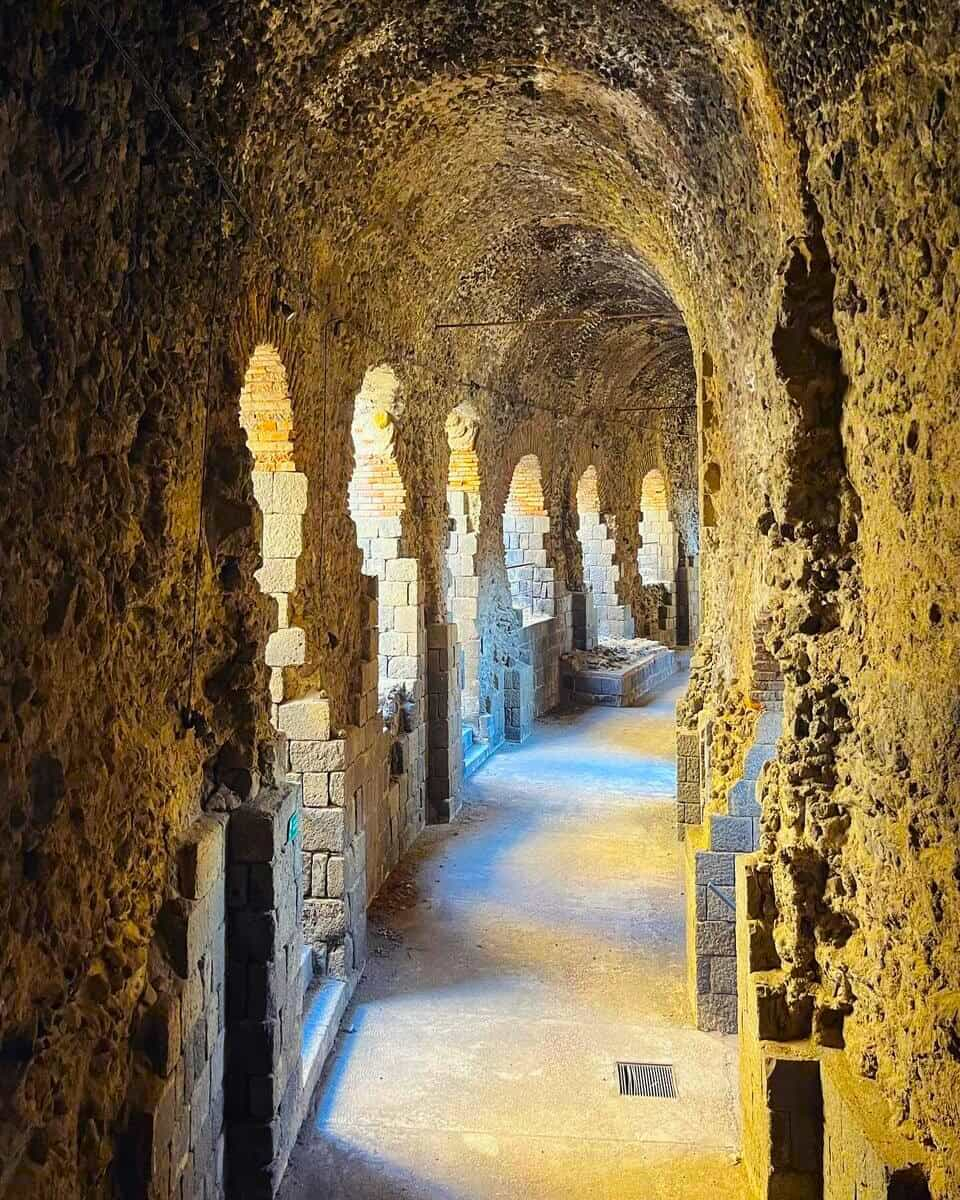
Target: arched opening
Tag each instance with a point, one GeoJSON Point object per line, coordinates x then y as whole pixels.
{"type": "Point", "coordinates": [601, 575]}
{"type": "Point", "coordinates": [377, 499]}
{"type": "Point", "coordinates": [281, 493]}
{"type": "Point", "coordinates": [463, 584]}
{"type": "Point", "coordinates": [525, 525]}
{"type": "Point", "coordinates": [657, 559]}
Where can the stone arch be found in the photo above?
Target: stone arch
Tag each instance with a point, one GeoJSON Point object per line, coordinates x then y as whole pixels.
{"type": "Point", "coordinates": [525, 526]}
{"type": "Point", "coordinates": [377, 498]}
{"type": "Point", "coordinates": [601, 575]}
{"type": "Point", "coordinates": [280, 490]}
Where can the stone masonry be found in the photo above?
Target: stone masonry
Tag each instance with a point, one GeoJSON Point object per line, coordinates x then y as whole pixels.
{"type": "Point", "coordinates": [601, 577]}
{"type": "Point", "coordinates": [173, 1148]}
{"type": "Point", "coordinates": [445, 752]}
{"type": "Point", "coordinates": [267, 972]}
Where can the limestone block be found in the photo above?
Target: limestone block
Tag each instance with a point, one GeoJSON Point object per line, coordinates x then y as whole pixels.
{"type": "Point", "coordinates": [394, 593]}
{"type": "Point", "coordinates": [402, 569]}
{"type": "Point", "coordinates": [315, 793]}
{"type": "Point", "coordinates": [367, 528]}
{"type": "Point", "coordinates": [335, 876]}
{"type": "Point", "coordinates": [307, 719]}
{"type": "Point", "coordinates": [286, 648]}
{"type": "Point", "coordinates": [323, 829]}
{"type": "Point", "coordinates": [277, 575]}
{"type": "Point", "coordinates": [290, 493]}
{"type": "Point", "coordinates": [407, 619]}
{"type": "Point", "coordinates": [282, 536]}
{"type": "Point", "coordinates": [263, 489]}
{"type": "Point", "coordinates": [283, 609]}
{"type": "Point", "coordinates": [324, 920]}
{"type": "Point", "coordinates": [318, 875]}
{"type": "Point", "coordinates": [200, 858]}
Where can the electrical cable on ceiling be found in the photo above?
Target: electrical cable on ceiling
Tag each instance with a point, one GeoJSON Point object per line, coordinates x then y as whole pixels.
{"type": "Point", "coordinates": [384, 345]}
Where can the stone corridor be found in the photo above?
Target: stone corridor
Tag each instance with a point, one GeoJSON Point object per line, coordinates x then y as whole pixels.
{"type": "Point", "coordinates": [519, 954]}
{"type": "Point", "coordinates": [376, 380]}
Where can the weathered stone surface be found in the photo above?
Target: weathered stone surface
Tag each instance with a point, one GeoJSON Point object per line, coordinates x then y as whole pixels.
{"type": "Point", "coordinates": [780, 179]}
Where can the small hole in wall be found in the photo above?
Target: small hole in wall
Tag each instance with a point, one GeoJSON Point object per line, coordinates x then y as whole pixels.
{"type": "Point", "coordinates": [913, 437]}
{"type": "Point", "coordinates": [31, 865]}
{"type": "Point", "coordinates": [332, 640]}
{"type": "Point", "coordinates": [936, 615]}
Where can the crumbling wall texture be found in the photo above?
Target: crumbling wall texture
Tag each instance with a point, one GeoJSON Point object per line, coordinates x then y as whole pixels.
{"type": "Point", "coordinates": [770, 189]}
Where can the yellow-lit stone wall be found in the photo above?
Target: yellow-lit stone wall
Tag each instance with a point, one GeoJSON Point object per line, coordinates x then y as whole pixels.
{"type": "Point", "coordinates": [772, 187]}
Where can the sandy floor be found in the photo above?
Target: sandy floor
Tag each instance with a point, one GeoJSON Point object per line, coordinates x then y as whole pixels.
{"type": "Point", "coordinates": [519, 955]}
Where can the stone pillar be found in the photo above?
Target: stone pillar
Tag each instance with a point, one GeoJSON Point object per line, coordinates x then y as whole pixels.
{"type": "Point", "coordinates": [445, 750]}
{"type": "Point", "coordinates": [265, 990]}
{"type": "Point", "coordinates": [463, 596]}
{"type": "Point", "coordinates": [174, 1145]}
{"type": "Point", "coordinates": [282, 498]}
{"type": "Point", "coordinates": [518, 699]}
{"type": "Point", "coordinates": [333, 845]}
{"type": "Point", "coordinates": [688, 780]}
{"type": "Point", "coordinates": [584, 621]}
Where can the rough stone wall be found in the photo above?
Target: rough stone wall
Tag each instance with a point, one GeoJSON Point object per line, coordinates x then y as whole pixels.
{"type": "Point", "coordinates": [784, 175]}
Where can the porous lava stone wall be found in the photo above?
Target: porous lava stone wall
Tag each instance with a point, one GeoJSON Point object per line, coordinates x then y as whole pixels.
{"type": "Point", "coordinates": [778, 179]}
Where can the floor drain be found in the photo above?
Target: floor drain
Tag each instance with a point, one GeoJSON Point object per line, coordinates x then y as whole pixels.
{"type": "Point", "coordinates": [647, 1079]}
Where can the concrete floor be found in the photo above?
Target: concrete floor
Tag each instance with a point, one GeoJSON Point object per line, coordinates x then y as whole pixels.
{"type": "Point", "coordinates": [520, 954]}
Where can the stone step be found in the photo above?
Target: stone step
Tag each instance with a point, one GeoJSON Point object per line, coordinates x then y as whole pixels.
{"type": "Point", "coordinates": [466, 738]}
{"type": "Point", "coordinates": [477, 755]}
{"type": "Point", "coordinates": [323, 1011]}
{"type": "Point", "coordinates": [306, 974]}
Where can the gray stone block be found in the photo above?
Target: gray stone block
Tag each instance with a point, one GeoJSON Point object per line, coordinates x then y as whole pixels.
{"type": "Point", "coordinates": [253, 936]}
{"type": "Point", "coordinates": [731, 833]}
{"type": "Point", "coordinates": [253, 1047]}
{"type": "Point", "coordinates": [723, 975]}
{"type": "Point", "coordinates": [715, 938]}
{"type": "Point", "coordinates": [720, 903]}
{"type": "Point", "coordinates": [741, 799]}
{"type": "Point", "coordinates": [715, 867]}
{"type": "Point", "coordinates": [717, 1013]}
{"type": "Point", "coordinates": [324, 920]}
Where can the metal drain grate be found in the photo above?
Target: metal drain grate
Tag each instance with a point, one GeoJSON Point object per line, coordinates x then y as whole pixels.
{"type": "Point", "coordinates": [647, 1079]}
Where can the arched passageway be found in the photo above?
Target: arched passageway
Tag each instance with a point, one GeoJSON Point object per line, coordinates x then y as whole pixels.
{"type": "Point", "coordinates": [377, 504]}
{"type": "Point", "coordinates": [281, 494]}
{"type": "Point", "coordinates": [601, 575]}
{"type": "Point", "coordinates": [525, 524]}
{"type": "Point", "coordinates": [716, 237]}
{"type": "Point", "coordinates": [657, 560]}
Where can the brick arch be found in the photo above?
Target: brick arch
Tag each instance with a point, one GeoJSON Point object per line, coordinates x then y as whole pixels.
{"type": "Point", "coordinates": [265, 412]}
{"type": "Point", "coordinates": [526, 526]}
{"type": "Point", "coordinates": [378, 501]}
